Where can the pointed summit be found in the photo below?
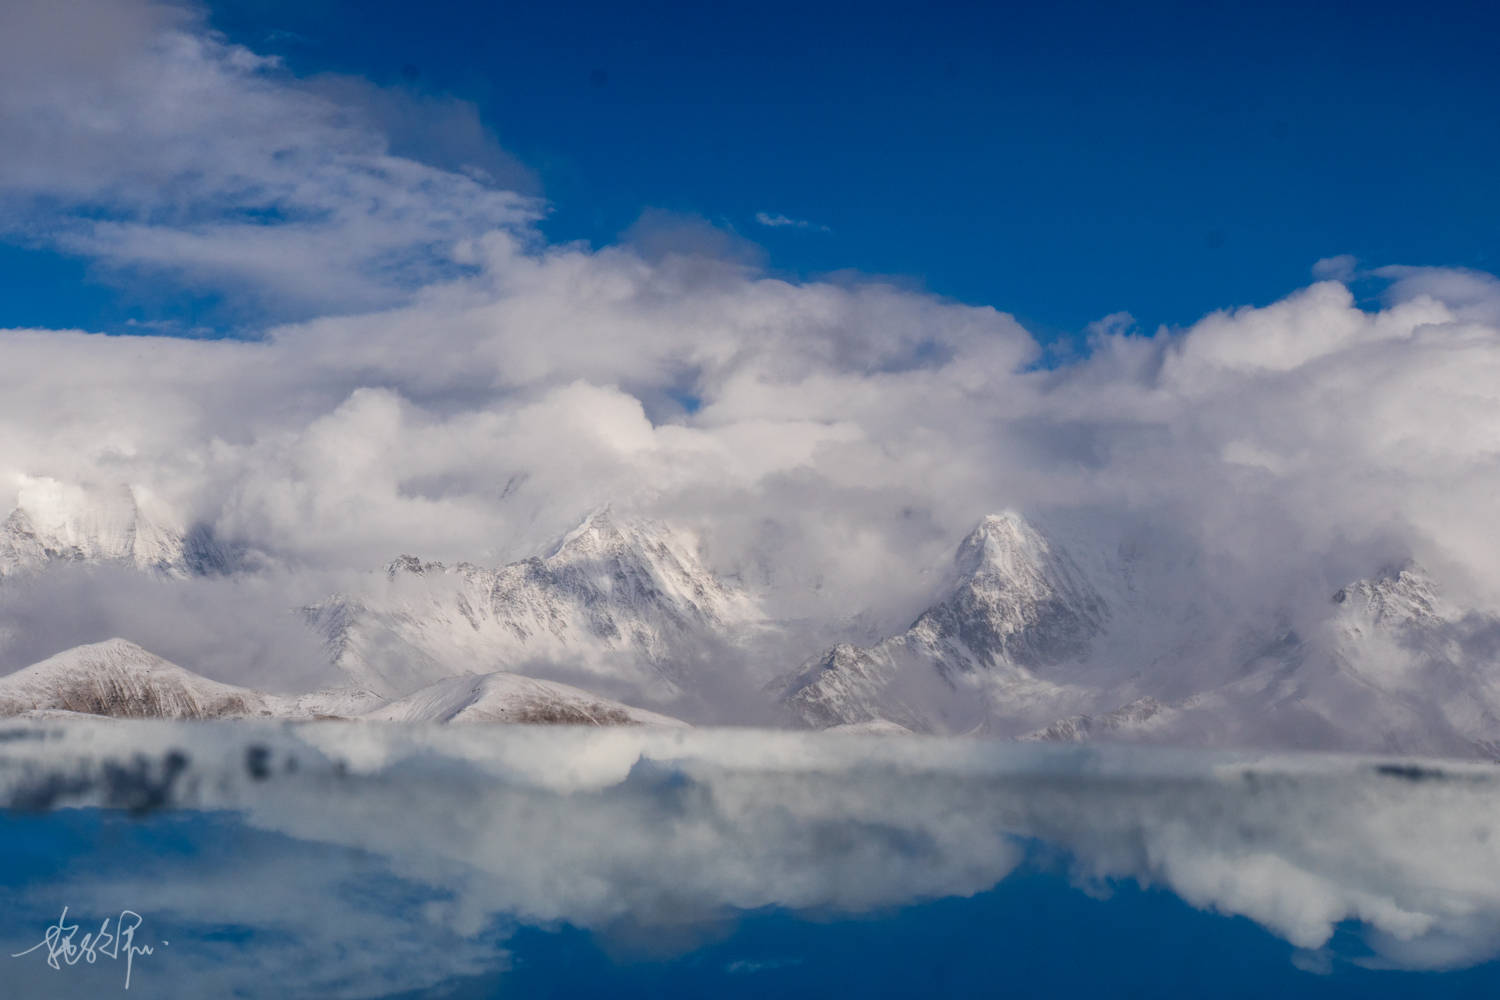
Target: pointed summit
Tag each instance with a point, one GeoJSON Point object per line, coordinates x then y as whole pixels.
{"type": "Point", "coordinates": [1020, 597]}
{"type": "Point", "coordinates": [625, 567]}
{"type": "Point", "coordinates": [1004, 543]}
{"type": "Point", "coordinates": [597, 534]}
{"type": "Point", "coordinates": [599, 522]}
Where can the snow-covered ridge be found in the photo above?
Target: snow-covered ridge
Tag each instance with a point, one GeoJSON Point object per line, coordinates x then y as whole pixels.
{"type": "Point", "coordinates": [127, 525]}
{"type": "Point", "coordinates": [627, 600]}
{"type": "Point", "coordinates": [504, 697]}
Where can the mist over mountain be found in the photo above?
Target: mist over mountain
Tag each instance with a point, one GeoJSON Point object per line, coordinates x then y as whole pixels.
{"type": "Point", "coordinates": [1032, 634]}
{"type": "Point", "coordinates": [1384, 664]}
{"type": "Point", "coordinates": [629, 603]}
{"type": "Point", "coordinates": [834, 500]}
{"type": "Point", "coordinates": [119, 525]}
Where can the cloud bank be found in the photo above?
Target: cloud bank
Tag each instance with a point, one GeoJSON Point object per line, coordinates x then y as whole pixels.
{"type": "Point", "coordinates": [149, 145]}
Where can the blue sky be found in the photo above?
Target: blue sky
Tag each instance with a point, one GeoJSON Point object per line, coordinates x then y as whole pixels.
{"type": "Point", "coordinates": [1061, 162]}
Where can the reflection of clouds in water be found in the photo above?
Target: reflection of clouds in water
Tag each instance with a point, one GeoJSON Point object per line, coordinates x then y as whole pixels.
{"type": "Point", "coordinates": [596, 827]}
{"type": "Point", "coordinates": [246, 913]}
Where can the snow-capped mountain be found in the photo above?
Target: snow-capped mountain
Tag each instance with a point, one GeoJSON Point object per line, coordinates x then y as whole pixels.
{"type": "Point", "coordinates": [122, 525]}
{"type": "Point", "coordinates": [1019, 605]}
{"type": "Point", "coordinates": [626, 601]}
{"type": "Point", "coordinates": [1393, 667]}
{"type": "Point", "coordinates": [1037, 640]}
{"type": "Point", "coordinates": [507, 697]}
{"type": "Point", "coordinates": [120, 679]}
{"type": "Point", "coordinates": [1039, 631]}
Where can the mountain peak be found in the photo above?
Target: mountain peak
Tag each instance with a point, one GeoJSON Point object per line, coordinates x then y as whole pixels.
{"type": "Point", "coordinates": [597, 534]}
{"type": "Point", "coordinates": [1402, 594]}
{"type": "Point", "coordinates": [115, 647]}
{"type": "Point", "coordinates": [1021, 604]}
{"type": "Point", "coordinates": [116, 654]}
{"type": "Point", "coordinates": [1002, 520]}
{"type": "Point", "coordinates": [1004, 541]}
{"type": "Point", "coordinates": [410, 564]}
{"type": "Point", "coordinates": [118, 678]}
{"type": "Point", "coordinates": [626, 598]}
{"type": "Point", "coordinates": [1019, 598]}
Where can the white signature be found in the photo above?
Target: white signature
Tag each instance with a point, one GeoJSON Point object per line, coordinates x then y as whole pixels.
{"type": "Point", "coordinates": [62, 949]}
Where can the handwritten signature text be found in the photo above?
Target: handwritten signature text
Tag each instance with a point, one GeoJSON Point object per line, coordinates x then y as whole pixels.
{"type": "Point", "coordinates": [63, 947]}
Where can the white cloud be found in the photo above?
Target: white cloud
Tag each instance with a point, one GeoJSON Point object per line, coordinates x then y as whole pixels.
{"type": "Point", "coordinates": [1340, 268]}
{"type": "Point", "coordinates": [155, 148]}
{"type": "Point", "coordinates": [1472, 295]}
{"type": "Point", "coordinates": [775, 220]}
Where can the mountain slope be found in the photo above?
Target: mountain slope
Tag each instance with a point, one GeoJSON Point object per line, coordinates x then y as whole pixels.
{"type": "Point", "coordinates": [630, 601]}
{"type": "Point", "coordinates": [506, 697]}
{"type": "Point", "coordinates": [122, 525]}
{"type": "Point", "coordinates": [118, 678]}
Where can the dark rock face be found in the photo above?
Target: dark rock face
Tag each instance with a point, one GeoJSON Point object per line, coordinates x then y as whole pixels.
{"type": "Point", "coordinates": [542, 713]}
{"type": "Point", "coordinates": [107, 696]}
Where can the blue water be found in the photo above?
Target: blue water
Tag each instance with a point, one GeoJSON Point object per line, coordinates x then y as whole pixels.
{"type": "Point", "coordinates": [1033, 936]}
{"type": "Point", "coordinates": [249, 912]}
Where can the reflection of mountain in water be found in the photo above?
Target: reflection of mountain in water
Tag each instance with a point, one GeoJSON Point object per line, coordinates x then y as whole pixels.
{"type": "Point", "coordinates": [321, 843]}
